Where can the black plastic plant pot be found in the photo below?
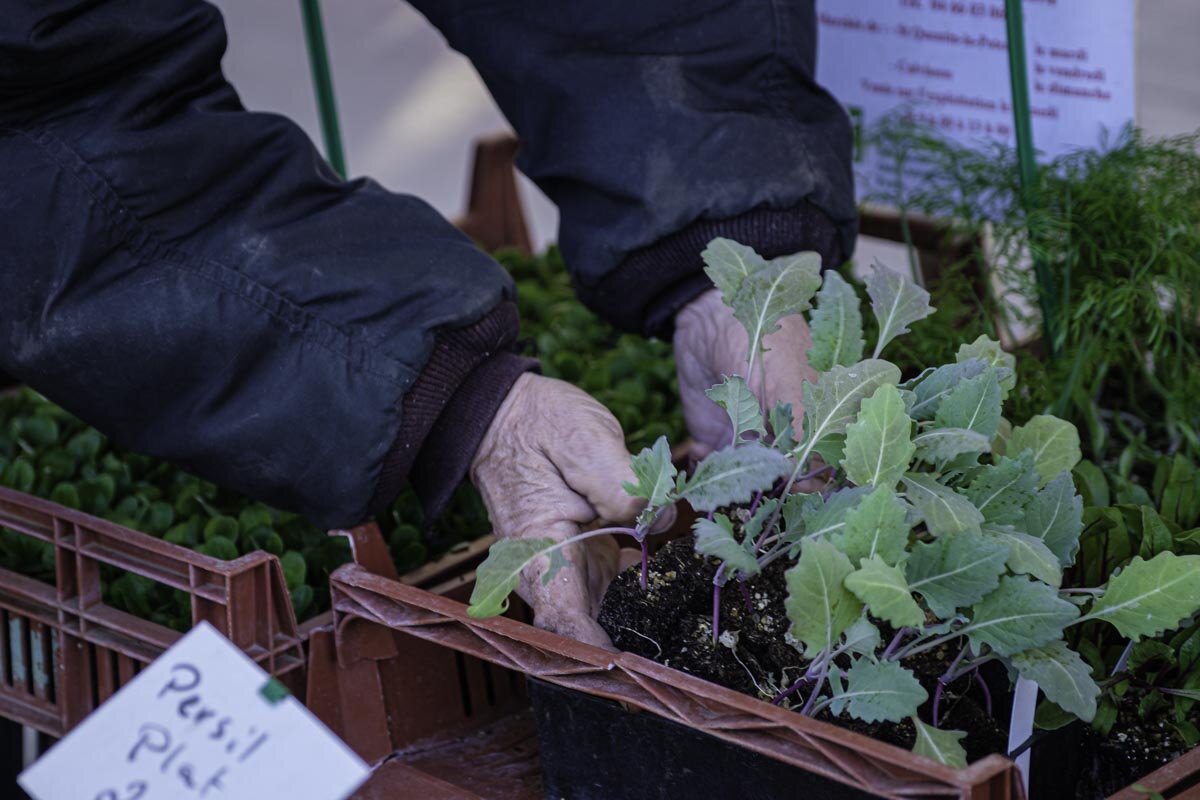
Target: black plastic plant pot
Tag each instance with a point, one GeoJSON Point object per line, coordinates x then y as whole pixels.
{"type": "Point", "coordinates": [597, 749]}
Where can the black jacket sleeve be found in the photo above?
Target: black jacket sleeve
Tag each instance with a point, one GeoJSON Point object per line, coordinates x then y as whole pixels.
{"type": "Point", "coordinates": [656, 125]}
{"type": "Point", "coordinates": [195, 281]}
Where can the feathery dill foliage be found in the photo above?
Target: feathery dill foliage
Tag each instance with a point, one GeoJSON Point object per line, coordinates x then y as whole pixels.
{"type": "Point", "coordinates": [1119, 227]}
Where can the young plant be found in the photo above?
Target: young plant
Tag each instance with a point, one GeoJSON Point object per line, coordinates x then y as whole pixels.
{"type": "Point", "coordinates": [940, 519]}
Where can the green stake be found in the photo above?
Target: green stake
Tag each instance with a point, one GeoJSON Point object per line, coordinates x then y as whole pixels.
{"type": "Point", "coordinates": [1027, 162]}
{"type": "Point", "coordinates": [318, 59]}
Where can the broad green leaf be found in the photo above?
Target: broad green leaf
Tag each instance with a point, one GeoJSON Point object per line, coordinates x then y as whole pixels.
{"type": "Point", "coordinates": [1092, 484]}
{"type": "Point", "coordinates": [1055, 515]}
{"type": "Point", "coordinates": [781, 428]}
{"type": "Point", "coordinates": [740, 405]}
{"type": "Point", "coordinates": [877, 526]}
{"type": "Point", "coordinates": [881, 690]}
{"type": "Point", "coordinates": [1156, 536]}
{"type": "Point", "coordinates": [990, 352]}
{"type": "Point", "coordinates": [828, 517]}
{"type": "Point", "coordinates": [945, 511]}
{"type": "Point", "coordinates": [1053, 442]}
{"type": "Point", "coordinates": [862, 638]}
{"type": "Point", "coordinates": [955, 571]}
{"type": "Point", "coordinates": [833, 401]}
{"type": "Point", "coordinates": [897, 303]}
{"type": "Point", "coordinates": [1149, 597]}
{"type": "Point", "coordinates": [1019, 614]}
{"type": "Point", "coordinates": [886, 593]}
{"type": "Point", "coordinates": [655, 474]}
{"type": "Point", "coordinates": [933, 388]}
{"type": "Point", "coordinates": [1063, 677]}
{"type": "Point", "coordinates": [944, 747]}
{"type": "Point", "coordinates": [1002, 490]}
{"type": "Point", "coordinates": [818, 604]}
{"type": "Point", "coordinates": [1049, 717]}
{"type": "Point", "coordinates": [497, 576]}
{"type": "Point", "coordinates": [973, 404]}
{"type": "Point", "coordinates": [878, 445]}
{"type": "Point", "coordinates": [754, 526]}
{"type": "Point", "coordinates": [1027, 555]}
{"type": "Point", "coordinates": [733, 475]}
{"type": "Point", "coordinates": [784, 287]}
{"type": "Point", "coordinates": [728, 264]}
{"type": "Point", "coordinates": [941, 445]}
{"type": "Point", "coordinates": [715, 538]}
{"type": "Point", "coordinates": [836, 325]}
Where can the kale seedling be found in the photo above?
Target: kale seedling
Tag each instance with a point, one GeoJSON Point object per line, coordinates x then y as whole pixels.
{"type": "Point", "coordinates": [943, 520]}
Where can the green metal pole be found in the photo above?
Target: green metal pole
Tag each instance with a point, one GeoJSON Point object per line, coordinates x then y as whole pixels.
{"type": "Point", "coordinates": [1027, 162]}
{"type": "Point", "coordinates": [318, 59]}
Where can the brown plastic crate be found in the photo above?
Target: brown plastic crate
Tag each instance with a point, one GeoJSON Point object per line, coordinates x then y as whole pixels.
{"type": "Point", "coordinates": [63, 651]}
{"type": "Point", "coordinates": [366, 604]}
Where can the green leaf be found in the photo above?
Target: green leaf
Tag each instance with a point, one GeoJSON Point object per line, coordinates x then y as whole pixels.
{"type": "Point", "coordinates": [728, 264]}
{"type": "Point", "coordinates": [223, 526]}
{"type": "Point", "coordinates": [881, 690]}
{"type": "Point", "coordinates": [715, 538]}
{"type": "Point", "coordinates": [818, 604]}
{"type": "Point", "coordinates": [836, 325]}
{"type": "Point", "coordinates": [294, 568]}
{"type": "Point", "coordinates": [1027, 555]}
{"type": "Point", "coordinates": [945, 511]}
{"type": "Point", "coordinates": [827, 517]}
{"type": "Point", "coordinates": [862, 638]}
{"type": "Point", "coordinates": [1156, 536]}
{"type": "Point", "coordinates": [833, 402]}
{"type": "Point", "coordinates": [1055, 515]}
{"type": "Point", "coordinates": [990, 352]}
{"type": "Point", "coordinates": [1002, 490]}
{"type": "Point", "coordinates": [655, 474]}
{"type": "Point", "coordinates": [1063, 677]}
{"type": "Point", "coordinates": [1020, 614]}
{"type": "Point", "coordinates": [933, 388]}
{"type": "Point", "coordinates": [733, 475]}
{"type": "Point", "coordinates": [940, 445]}
{"type": "Point", "coordinates": [497, 576]}
{"type": "Point", "coordinates": [1149, 597]}
{"type": "Point", "coordinates": [1049, 717]}
{"type": "Point", "coordinates": [877, 526]}
{"type": "Point", "coordinates": [885, 593]}
{"type": "Point", "coordinates": [1093, 486]}
{"type": "Point", "coordinates": [740, 405]}
{"type": "Point", "coordinates": [973, 404]}
{"type": "Point", "coordinates": [1053, 442]}
{"type": "Point", "coordinates": [781, 427]}
{"type": "Point", "coordinates": [785, 286]}
{"type": "Point", "coordinates": [878, 445]}
{"type": "Point", "coordinates": [955, 571]}
{"type": "Point", "coordinates": [897, 303]}
{"type": "Point", "coordinates": [944, 747]}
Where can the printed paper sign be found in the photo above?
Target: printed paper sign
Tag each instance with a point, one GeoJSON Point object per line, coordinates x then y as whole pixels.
{"type": "Point", "coordinates": [947, 61]}
{"type": "Point", "coordinates": [202, 721]}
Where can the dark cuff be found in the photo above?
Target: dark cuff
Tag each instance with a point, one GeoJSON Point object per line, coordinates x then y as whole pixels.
{"type": "Point", "coordinates": [446, 411]}
{"type": "Point", "coordinates": [652, 284]}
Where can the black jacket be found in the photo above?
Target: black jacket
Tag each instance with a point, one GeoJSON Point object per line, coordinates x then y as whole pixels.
{"type": "Point", "coordinates": [194, 280]}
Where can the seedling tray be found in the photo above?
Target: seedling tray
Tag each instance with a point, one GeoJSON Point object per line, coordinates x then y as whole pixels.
{"type": "Point", "coordinates": [626, 690]}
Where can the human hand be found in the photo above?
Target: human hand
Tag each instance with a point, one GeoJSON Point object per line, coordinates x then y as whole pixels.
{"type": "Point", "coordinates": [710, 344]}
{"type": "Point", "coordinates": [552, 461]}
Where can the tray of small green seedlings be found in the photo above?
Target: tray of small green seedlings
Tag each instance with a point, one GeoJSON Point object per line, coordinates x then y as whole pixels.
{"type": "Point", "coordinates": [48, 452]}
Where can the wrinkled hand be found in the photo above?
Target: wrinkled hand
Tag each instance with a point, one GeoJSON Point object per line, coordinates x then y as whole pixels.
{"type": "Point", "coordinates": [553, 460]}
{"type": "Point", "coordinates": [710, 344]}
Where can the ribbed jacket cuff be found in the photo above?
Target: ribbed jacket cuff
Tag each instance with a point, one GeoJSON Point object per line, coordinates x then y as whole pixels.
{"type": "Point", "coordinates": [652, 284]}
{"type": "Point", "coordinates": [451, 401]}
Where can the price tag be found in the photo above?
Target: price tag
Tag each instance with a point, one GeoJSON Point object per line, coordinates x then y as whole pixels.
{"type": "Point", "coordinates": [202, 721]}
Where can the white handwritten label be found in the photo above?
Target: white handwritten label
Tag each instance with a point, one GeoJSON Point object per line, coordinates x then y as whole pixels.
{"type": "Point", "coordinates": [202, 721]}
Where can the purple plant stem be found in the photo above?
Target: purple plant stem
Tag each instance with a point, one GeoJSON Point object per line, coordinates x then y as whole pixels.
{"type": "Point", "coordinates": [795, 687]}
{"type": "Point", "coordinates": [754, 506]}
{"type": "Point", "coordinates": [812, 697]}
{"type": "Point", "coordinates": [894, 644]}
{"type": "Point", "coordinates": [942, 682]}
{"type": "Point", "coordinates": [710, 516]}
{"type": "Point", "coordinates": [983, 686]}
{"type": "Point", "coordinates": [745, 590]}
{"type": "Point", "coordinates": [645, 565]}
{"type": "Point", "coordinates": [716, 622]}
